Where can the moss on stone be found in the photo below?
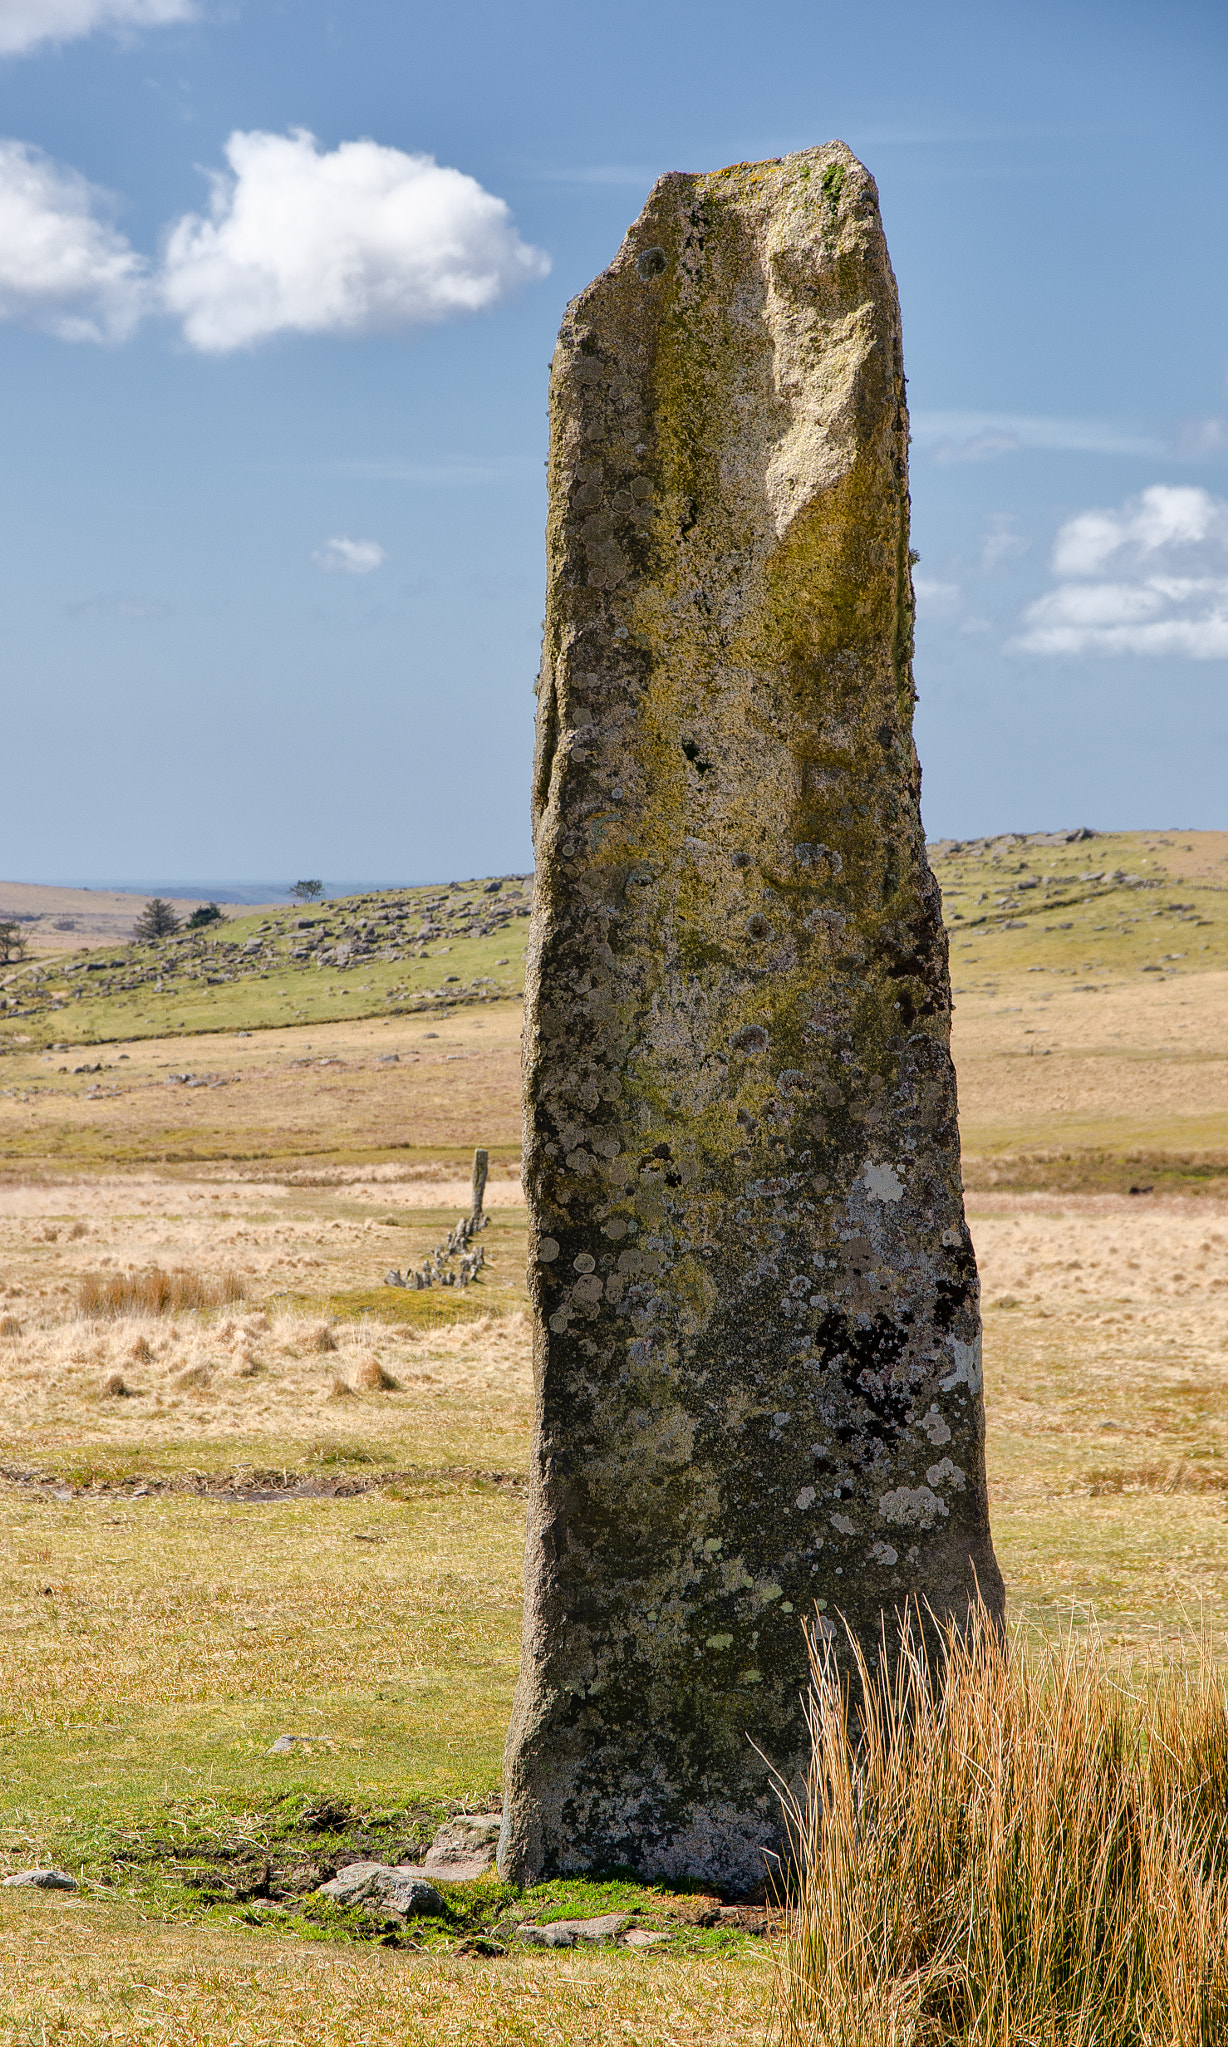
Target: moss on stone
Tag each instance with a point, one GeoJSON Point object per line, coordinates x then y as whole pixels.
{"type": "Point", "coordinates": [740, 1140]}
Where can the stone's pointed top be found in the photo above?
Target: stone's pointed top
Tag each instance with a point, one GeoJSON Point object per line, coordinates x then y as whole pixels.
{"type": "Point", "coordinates": [754, 1297]}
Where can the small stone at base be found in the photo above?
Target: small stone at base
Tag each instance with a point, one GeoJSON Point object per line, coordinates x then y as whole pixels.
{"type": "Point", "coordinates": [567, 1933]}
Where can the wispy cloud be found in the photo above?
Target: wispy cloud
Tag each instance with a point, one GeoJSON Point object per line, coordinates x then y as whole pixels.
{"type": "Point", "coordinates": [1149, 577]}
{"type": "Point", "coordinates": [444, 469]}
{"type": "Point", "coordinates": [116, 604]}
{"type": "Point", "coordinates": [638, 175]}
{"type": "Point", "coordinates": [350, 557]}
{"type": "Point", "coordinates": [1001, 543]}
{"type": "Point", "coordinates": [934, 599]}
{"type": "Point", "coordinates": [24, 24]}
{"type": "Point", "coordinates": [1202, 439]}
{"type": "Point", "coordinates": [979, 436]}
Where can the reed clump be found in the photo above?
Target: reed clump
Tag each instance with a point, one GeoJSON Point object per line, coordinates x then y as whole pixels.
{"type": "Point", "coordinates": [154, 1292]}
{"type": "Point", "coordinates": [1007, 1844]}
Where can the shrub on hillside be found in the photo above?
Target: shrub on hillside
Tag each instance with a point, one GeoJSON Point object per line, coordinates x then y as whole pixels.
{"type": "Point", "coordinates": [204, 914]}
{"type": "Point", "coordinates": [156, 921]}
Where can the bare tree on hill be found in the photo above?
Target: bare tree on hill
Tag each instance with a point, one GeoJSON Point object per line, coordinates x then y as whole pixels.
{"type": "Point", "coordinates": [307, 892]}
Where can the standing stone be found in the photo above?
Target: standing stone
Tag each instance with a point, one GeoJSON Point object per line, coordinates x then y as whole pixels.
{"type": "Point", "coordinates": [481, 1166]}
{"type": "Point", "coordinates": [757, 1326]}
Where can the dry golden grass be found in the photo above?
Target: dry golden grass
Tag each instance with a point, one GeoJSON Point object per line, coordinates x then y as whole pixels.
{"type": "Point", "coordinates": [1008, 1847]}
{"type": "Point", "coordinates": [100, 1394]}
{"type": "Point", "coordinates": [321, 1093]}
{"type": "Point", "coordinates": [1123, 1069]}
{"type": "Point", "coordinates": [106, 1975]}
{"type": "Point", "coordinates": [156, 1641]}
{"type": "Point", "coordinates": [58, 920]}
{"type": "Point", "coordinates": [151, 1292]}
{"type": "Point", "coordinates": [314, 1254]}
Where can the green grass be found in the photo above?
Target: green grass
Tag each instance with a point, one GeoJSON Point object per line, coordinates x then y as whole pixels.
{"type": "Point", "coordinates": [1068, 923]}
{"type": "Point", "coordinates": [428, 1308]}
{"type": "Point", "coordinates": [461, 967]}
{"type": "Point", "coordinates": [156, 1647]}
{"type": "Point", "coordinates": [1072, 924]}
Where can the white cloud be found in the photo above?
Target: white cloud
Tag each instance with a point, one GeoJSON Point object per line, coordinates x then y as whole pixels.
{"type": "Point", "coordinates": [26, 23]}
{"type": "Point", "coordinates": [1149, 531]}
{"type": "Point", "coordinates": [63, 267]}
{"type": "Point", "coordinates": [934, 599]}
{"type": "Point", "coordinates": [356, 240]}
{"type": "Point", "coordinates": [354, 557]}
{"type": "Point", "coordinates": [1148, 578]}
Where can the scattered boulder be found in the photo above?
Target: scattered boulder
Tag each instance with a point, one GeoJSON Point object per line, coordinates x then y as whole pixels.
{"type": "Point", "coordinates": [379, 1884]}
{"type": "Point", "coordinates": [43, 1880]}
{"type": "Point", "coordinates": [746, 1919]}
{"type": "Point", "coordinates": [572, 1933]}
{"type": "Point", "coordinates": [464, 1847]}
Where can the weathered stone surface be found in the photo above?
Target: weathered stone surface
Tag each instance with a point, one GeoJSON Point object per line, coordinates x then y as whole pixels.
{"type": "Point", "coordinates": [464, 1847]}
{"type": "Point", "coordinates": [382, 1884]}
{"type": "Point", "coordinates": [481, 1167]}
{"type": "Point", "coordinates": [758, 1338]}
{"type": "Point", "coordinates": [42, 1880]}
{"type": "Point", "coordinates": [573, 1933]}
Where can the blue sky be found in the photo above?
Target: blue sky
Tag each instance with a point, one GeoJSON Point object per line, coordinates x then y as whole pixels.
{"type": "Point", "coordinates": [273, 408]}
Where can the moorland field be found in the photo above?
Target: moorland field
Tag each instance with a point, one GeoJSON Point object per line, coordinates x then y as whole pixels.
{"type": "Point", "coordinates": [290, 1500]}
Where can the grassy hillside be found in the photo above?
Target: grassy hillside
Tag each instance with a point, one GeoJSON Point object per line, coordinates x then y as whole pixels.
{"type": "Point", "coordinates": [1108, 905]}
{"type": "Point", "coordinates": [1091, 1024]}
{"type": "Point", "coordinates": [358, 956]}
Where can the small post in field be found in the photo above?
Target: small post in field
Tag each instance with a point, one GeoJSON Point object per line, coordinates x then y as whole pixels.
{"type": "Point", "coordinates": [481, 1161]}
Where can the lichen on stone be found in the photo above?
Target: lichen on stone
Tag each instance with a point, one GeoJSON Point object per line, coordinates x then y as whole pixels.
{"type": "Point", "coordinates": [755, 1296]}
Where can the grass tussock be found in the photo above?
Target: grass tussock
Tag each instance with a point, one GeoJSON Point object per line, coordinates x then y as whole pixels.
{"type": "Point", "coordinates": [372, 1377]}
{"type": "Point", "coordinates": [1013, 1847]}
{"type": "Point", "coordinates": [154, 1292]}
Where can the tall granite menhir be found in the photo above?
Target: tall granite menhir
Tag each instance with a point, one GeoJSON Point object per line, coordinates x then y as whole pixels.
{"type": "Point", "coordinates": [757, 1326]}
